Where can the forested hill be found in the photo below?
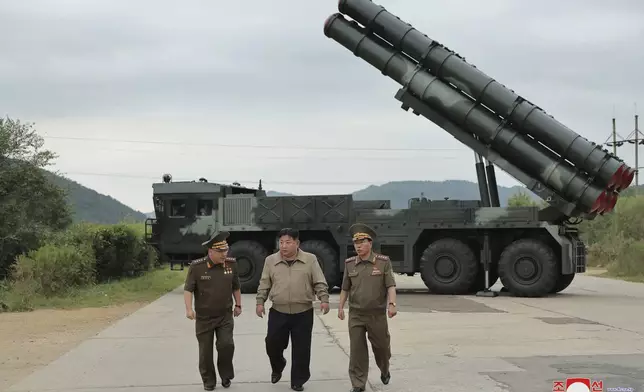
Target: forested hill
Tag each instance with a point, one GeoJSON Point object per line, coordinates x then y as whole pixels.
{"type": "Point", "coordinates": [90, 206]}
{"type": "Point", "coordinates": [399, 192]}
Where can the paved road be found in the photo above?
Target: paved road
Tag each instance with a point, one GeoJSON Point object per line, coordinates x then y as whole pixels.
{"type": "Point", "coordinates": [440, 343]}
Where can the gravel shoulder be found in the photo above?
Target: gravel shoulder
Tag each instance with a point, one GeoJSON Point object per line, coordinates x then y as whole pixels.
{"type": "Point", "coordinates": [31, 340]}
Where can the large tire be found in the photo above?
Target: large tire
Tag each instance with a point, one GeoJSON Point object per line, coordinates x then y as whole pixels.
{"type": "Point", "coordinates": [562, 283]}
{"type": "Point", "coordinates": [250, 256]}
{"type": "Point", "coordinates": [528, 268]}
{"type": "Point", "coordinates": [448, 266]}
{"type": "Point", "coordinates": [327, 258]}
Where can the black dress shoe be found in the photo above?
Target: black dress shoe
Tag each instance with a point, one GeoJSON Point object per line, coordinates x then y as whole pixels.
{"type": "Point", "coordinates": [208, 387]}
{"type": "Point", "coordinates": [385, 378]}
{"type": "Point", "coordinates": [357, 389]}
{"type": "Point", "coordinates": [277, 376]}
{"type": "Point", "coordinates": [297, 387]}
{"type": "Point", "coordinates": [225, 383]}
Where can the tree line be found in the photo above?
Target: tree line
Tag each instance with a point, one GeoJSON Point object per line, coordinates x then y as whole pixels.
{"type": "Point", "coordinates": [42, 252]}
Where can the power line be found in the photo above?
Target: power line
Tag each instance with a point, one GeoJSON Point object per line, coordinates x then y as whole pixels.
{"type": "Point", "coordinates": [221, 181]}
{"type": "Point", "coordinates": [89, 139]}
{"type": "Point", "coordinates": [635, 138]}
{"type": "Point", "coordinates": [289, 158]}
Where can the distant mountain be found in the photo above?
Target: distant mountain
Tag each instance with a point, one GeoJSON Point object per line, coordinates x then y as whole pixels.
{"type": "Point", "coordinates": [91, 206]}
{"type": "Point", "coordinates": [275, 193]}
{"type": "Point", "coordinates": [399, 192]}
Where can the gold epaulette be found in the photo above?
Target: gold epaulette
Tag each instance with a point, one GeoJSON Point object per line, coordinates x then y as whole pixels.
{"type": "Point", "coordinates": [230, 259]}
{"type": "Point", "coordinates": [382, 257]}
{"type": "Point", "coordinates": [350, 259]}
{"type": "Point", "coordinates": [197, 261]}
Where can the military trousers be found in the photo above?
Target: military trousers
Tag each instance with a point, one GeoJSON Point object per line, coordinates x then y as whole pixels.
{"type": "Point", "coordinates": [371, 324]}
{"type": "Point", "coordinates": [208, 328]}
{"type": "Point", "coordinates": [299, 327]}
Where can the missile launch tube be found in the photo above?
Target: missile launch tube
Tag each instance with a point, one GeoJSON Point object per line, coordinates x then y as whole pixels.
{"type": "Point", "coordinates": [448, 66]}
{"type": "Point", "coordinates": [516, 148]}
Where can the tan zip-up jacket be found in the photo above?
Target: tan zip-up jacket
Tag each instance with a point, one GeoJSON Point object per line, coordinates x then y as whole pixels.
{"type": "Point", "coordinates": [292, 288]}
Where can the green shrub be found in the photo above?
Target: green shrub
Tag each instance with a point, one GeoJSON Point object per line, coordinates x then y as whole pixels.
{"type": "Point", "coordinates": [606, 250]}
{"type": "Point", "coordinates": [121, 252]}
{"type": "Point", "coordinates": [53, 270]}
{"type": "Point", "coordinates": [629, 261]}
{"type": "Point", "coordinates": [616, 241]}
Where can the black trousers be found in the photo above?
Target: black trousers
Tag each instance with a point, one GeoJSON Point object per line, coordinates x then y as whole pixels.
{"type": "Point", "coordinates": [300, 328]}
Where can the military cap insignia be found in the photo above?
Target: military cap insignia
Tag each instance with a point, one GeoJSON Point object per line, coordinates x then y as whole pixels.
{"type": "Point", "coordinates": [350, 259]}
{"type": "Point", "coordinates": [360, 231]}
{"type": "Point", "coordinates": [218, 241]}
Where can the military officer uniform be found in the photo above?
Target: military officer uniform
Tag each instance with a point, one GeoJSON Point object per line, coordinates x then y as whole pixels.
{"type": "Point", "coordinates": [366, 282]}
{"type": "Point", "coordinates": [213, 286]}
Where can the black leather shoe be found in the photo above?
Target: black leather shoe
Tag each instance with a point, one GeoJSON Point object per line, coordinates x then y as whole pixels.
{"type": "Point", "coordinates": [357, 389]}
{"type": "Point", "coordinates": [297, 387]}
{"type": "Point", "coordinates": [225, 383]}
{"type": "Point", "coordinates": [277, 376]}
{"type": "Point", "coordinates": [208, 387]}
{"type": "Point", "coordinates": [385, 378]}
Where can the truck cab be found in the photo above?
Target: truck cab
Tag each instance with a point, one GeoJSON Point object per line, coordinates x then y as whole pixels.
{"type": "Point", "coordinates": [186, 215]}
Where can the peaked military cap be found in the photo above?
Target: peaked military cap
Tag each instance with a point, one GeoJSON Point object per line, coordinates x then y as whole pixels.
{"type": "Point", "coordinates": [218, 241]}
{"type": "Point", "coordinates": [360, 231]}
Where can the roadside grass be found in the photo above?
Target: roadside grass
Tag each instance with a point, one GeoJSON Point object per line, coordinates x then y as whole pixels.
{"type": "Point", "coordinates": [604, 273]}
{"type": "Point", "coordinates": [146, 288]}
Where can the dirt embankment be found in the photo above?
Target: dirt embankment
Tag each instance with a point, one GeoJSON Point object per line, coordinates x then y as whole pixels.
{"type": "Point", "coordinates": [31, 340]}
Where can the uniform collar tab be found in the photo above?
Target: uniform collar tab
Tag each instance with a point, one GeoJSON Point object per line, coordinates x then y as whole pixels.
{"type": "Point", "coordinates": [371, 258]}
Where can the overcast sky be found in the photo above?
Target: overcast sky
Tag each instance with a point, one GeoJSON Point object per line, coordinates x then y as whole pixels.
{"type": "Point", "coordinates": [178, 85]}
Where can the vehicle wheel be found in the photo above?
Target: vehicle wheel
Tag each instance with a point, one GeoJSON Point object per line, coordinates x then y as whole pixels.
{"type": "Point", "coordinates": [562, 283]}
{"type": "Point", "coordinates": [448, 266]}
{"type": "Point", "coordinates": [327, 257]}
{"type": "Point", "coordinates": [528, 268]}
{"type": "Point", "coordinates": [250, 257]}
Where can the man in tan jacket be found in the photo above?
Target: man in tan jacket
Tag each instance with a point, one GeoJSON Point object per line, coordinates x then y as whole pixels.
{"type": "Point", "coordinates": [290, 279]}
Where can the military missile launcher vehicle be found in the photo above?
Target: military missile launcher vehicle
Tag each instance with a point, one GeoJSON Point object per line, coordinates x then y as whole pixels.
{"type": "Point", "coordinates": [457, 246]}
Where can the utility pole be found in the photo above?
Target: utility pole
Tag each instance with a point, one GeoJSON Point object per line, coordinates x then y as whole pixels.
{"type": "Point", "coordinates": [614, 137]}
{"type": "Point", "coordinates": [633, 138]}
{"type": "Point", "coordinates": [637, 166]}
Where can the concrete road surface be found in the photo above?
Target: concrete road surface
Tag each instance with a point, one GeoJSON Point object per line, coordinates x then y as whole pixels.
{"type": "Point", "coordinates": [594, 329]}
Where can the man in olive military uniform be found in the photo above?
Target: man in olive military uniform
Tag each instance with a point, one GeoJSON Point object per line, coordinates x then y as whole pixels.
{"type": "Point", "coordinates": [214, 282]}
{"type": "Point", "coordinates": [370, 286]}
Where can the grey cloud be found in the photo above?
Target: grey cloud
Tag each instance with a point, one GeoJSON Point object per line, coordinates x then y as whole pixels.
{"type": "Point", "coordinates": [263, 72]}
{"type": "Point", "coordinates": [122, 59]}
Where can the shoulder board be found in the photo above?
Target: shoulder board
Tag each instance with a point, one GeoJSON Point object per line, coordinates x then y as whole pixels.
{"type": "Point", "coordinates": [350, 259]}
{"type": "Point", "coordinates": [231, 259]}
{"type": "Point", "coordinates": [382, 257]}
{"type": "Point", "coordinates": [198, 261]}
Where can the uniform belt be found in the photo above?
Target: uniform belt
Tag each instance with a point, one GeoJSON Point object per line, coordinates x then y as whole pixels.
{"type": "Point", "coordinates": [367, 311]}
